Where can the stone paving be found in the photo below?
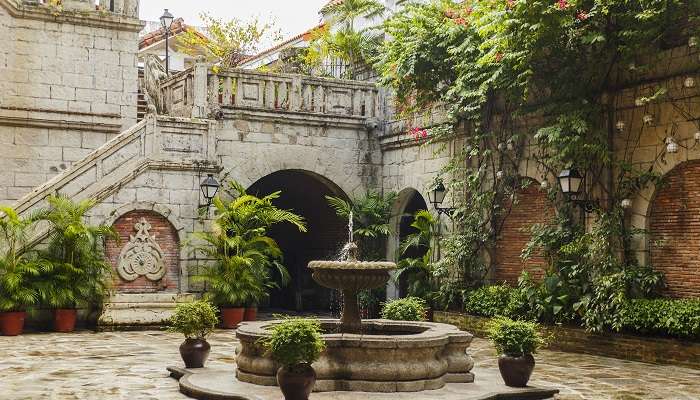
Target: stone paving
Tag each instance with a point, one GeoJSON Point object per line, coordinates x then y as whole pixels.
{"type": "Point", "coordinates": [131, 365]}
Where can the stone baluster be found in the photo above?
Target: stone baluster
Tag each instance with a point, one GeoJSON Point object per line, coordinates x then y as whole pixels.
{"type": "Point", "coordinates": [214, 83]}
{"type": "Point", "coordinates": [320, 99]}
{"type": "Point", "coordinates": [228, 85]}
{"type": "Point", "coordinates": [200, 88]}
{"type": "Point", "coordinates": [239, 96]}
{"type": "Point", "coordinates": [270, 99]}
{"type": "Point", "coordinates": [295, 95]}
{"type": "Point", "coordinates": [358, 98]}
{"type": "Point", "coordinates": [307, 97]}
{"type": "Point", "coordinates": [283, 95]}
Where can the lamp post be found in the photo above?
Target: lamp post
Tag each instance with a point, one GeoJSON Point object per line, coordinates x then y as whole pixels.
{"type": "Point", "coordinates": [210, 187]}
{"type": "Point", "coordinates": [571, 183]}
{"type": "Point", "coordinates": [166, 21]}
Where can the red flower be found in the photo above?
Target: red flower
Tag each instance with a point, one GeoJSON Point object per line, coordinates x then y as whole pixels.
{"type": "Point", "coordinates": [499, 57]}
{"type": "Point", "coordinates": [460, 21]}
{"type": "Point", "coordinates": [510, 3]}
{"type": "Point", "coordinates": [582, 15]}
{"type": "Point", "coordinates": [563, 4]}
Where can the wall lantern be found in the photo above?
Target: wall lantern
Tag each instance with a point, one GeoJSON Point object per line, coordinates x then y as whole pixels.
{"type": "Point", "coordinates": [689, 82]}
{"type": "Point", "coordinates": [620, 126]}
{"type": "Point", "coordinates": [648, 119]}
{"type": "Point", "coordinates": [437, 197]}
{"type": "Point", "coordinates": [626, 204]}
{"type": "Point", "coordinates": [210, 187]}
{"type": "Point", "coordinates": [671, 146]}
{"type": "Point", "coordinates": [570, 182]}
{"type": "Point", "coordinates": [166, 21]}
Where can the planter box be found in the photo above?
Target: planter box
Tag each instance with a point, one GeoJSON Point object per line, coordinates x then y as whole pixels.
{"type": "Point", "coordinates": [616, 345]}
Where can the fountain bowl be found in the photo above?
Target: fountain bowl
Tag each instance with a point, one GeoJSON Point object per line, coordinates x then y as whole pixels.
{"type": "Point", "coordinates": [351, 275]}
{"type": "Point", "coordinates": [387, 356]}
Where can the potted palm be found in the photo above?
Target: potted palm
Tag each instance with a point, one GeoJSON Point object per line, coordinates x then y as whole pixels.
{"type": "Point", "coordinates": [295, 344]}
{"type": "Point", "coordinates": [515, 342]}
{"type": "Point", "coordinates": [76, 272]}
{"type": "Point", "coordinates": [246, 262]}
{"type": "Point", "coordinates": [196, 321]}
{"type": "Point", "coordinates": [18, 272]}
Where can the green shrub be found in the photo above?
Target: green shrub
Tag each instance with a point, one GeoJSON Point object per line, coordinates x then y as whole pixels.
{"type": "Point", "coordinates": [515, 338]}
{"type": "Point", "coordinates": [407, 309]}
{"type": "Point", "coordinates": [295, 341]}
{"type": "Point", "coordinates": [673, 317]}
{"type": "Point", "coordinates": [493, 301]}
{"type": "Point", "coordinates": [195, 320]}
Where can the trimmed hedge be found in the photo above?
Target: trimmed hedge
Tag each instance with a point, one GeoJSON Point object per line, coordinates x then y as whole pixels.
{"type": "Point", "coordinates": [674, 317]}
{"type": "Point", "coordinates": [664, 317]}
{"type": "Point", "coordinates": [490, 301]}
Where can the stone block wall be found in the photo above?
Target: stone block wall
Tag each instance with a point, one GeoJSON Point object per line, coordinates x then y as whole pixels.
{"type": "Point", "coordinates": [68, 83]}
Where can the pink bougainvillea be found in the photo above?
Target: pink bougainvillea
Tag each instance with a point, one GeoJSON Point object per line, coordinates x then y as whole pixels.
{"type": "Point", "coordinates": [418, 133]}
{"type": "Point", "coordinates": [582, 15]}
{"type": "Point", "coordinates": [563, 4]}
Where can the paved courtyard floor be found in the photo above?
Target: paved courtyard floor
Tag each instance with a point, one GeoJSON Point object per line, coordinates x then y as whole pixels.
{"type": "Point", "coordinates": [131, 366]}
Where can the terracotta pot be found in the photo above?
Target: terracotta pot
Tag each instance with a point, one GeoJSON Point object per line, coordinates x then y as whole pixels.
{"type": "Point", "coordinates": [194, 352]}
{"type": "Point", "coordinates": [12, 323]}
{"type": "Point", "coordinates": [232, 317]}
{"type": "Point", "coordinates": [251, 314]}
{"type": "Point", "coordinates": [64, 320]}
{"type": "Point", "coordinates": [297, 381]}
{"type": "Point", "coordinates": [516, 371]}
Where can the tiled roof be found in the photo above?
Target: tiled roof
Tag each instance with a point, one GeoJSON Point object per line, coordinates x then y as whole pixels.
{"type": "Point", "coordinates": [177, 27]}
{"type": "Point", "coordinates": [284, 44]}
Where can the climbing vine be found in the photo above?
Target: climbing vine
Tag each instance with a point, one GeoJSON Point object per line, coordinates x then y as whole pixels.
{"type": "Point", "coordinates": [529, 83]}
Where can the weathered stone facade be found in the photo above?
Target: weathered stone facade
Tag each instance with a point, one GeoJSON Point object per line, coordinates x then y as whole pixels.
{"type": "Point", "coordinates": [69, 84]}
{"type": "Point", "coordinates": [69, 87]}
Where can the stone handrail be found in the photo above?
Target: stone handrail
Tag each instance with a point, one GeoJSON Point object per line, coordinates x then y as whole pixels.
{"type": "Point", "coordinates": [150, 144]}
{"type": "Point", "coordinates": [201, 92]}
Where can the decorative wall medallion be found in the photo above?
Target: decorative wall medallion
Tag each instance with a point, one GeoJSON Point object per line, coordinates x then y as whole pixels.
{"type": "Point", "coordinates": [141, 256]}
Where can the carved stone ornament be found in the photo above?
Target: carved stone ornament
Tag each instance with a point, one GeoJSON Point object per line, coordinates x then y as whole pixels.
{"type": "Point", "coordinates": [141, 256]}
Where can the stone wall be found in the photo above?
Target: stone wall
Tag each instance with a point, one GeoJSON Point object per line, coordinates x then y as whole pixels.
{"type": "Point", "coordinates": [68, 83]}
{"type": "Point", "coordinates": [577, 340]}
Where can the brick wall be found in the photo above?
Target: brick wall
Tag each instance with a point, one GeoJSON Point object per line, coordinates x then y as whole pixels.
{"type": "Point", "coordinates": [166, 237]}
{"type": "Point", "coordinates": [577, 340]}
{"type": "Point", "coordinates": [531, 207]}
{"type": "Point", "coordinates": [674, 225]}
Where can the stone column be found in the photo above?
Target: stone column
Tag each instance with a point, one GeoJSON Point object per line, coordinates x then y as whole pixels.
{"type": "Point", "coordinates": [200, 89]}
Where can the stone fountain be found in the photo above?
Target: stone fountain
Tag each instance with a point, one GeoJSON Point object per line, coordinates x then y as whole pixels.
{"type": "Point", "coordinates": [369, 356]}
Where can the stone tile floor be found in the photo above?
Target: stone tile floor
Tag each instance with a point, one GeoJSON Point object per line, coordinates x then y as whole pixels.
{"type": "Point", "coordinates": [131, 365]}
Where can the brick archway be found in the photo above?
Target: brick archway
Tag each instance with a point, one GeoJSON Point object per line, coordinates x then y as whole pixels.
{"type": "Point", "coordinates": [166, 236]}
{"type": "Point", "coordinates": [532, 207]}
{"type": "Point", "coordinates": [674, 229]}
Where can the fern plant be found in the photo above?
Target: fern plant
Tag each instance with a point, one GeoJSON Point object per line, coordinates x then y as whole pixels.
{"type": "Point", "coordinates": [418, 271]}
{"type": "Point", "coordinates": [75, 272]}
{"type": "Point", "coordinates": [19, 269]}
{"type": "Point", "coordinates": [246, 262]}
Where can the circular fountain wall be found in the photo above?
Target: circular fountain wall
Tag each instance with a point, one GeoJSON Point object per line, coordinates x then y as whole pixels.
{"type": "Point", "coordinates": [387, 356]}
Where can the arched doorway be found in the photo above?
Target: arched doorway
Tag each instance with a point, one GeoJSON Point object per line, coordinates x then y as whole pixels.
{"type": "Point", "coordinates": [412, 202]}
{"type": "Point", "coordinates": [304, 192]}
{"type": "Point", "coordinates": [674, 229]}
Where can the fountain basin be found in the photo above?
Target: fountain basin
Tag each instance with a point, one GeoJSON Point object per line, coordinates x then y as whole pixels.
{"type": "Point", "coordinates": [388, 356]}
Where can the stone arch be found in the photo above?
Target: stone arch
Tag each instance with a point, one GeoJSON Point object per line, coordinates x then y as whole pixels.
{"type": "Point", "coordinates": [304, 192]}
{"type": "Point", "coordinates": [409, 201]}
{"type": "Point", "coordinates": [167, 238]}
{"type": "Point", "coordinates": [531, 207]}
{"type": "Point", "coordinates": [673, 222]}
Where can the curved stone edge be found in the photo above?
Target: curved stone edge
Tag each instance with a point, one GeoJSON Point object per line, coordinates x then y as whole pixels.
{"type": "Point", "coordinates": [340, 385]}
{"type": "Point", "coordinates": [196, 392]}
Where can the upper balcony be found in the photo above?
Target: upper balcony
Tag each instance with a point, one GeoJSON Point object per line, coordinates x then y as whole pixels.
{"type": "Point", "coordinates": [206, 92]}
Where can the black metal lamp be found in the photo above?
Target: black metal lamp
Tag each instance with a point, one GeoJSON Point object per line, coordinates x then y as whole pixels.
{"type": "Point", "coordinates": [437, 197]}
{"type": "Point", "coordinates": [571, 183]}
{"type": "Point", "coordinates": [210, 187]}
{"type": "Point", "coordinates": [166, 21]}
